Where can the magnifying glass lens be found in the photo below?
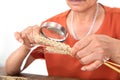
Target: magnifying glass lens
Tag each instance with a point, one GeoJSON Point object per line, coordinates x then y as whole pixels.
{"type": "Point", "coordinates": [52, 33]}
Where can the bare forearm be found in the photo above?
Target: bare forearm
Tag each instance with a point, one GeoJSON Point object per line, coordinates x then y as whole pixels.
{"type": "Point", "coordinates": [15, 60]}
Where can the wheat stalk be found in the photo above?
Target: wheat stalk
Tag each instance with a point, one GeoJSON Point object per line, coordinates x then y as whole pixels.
{"type": "Point", "coordinates": [53, 46]}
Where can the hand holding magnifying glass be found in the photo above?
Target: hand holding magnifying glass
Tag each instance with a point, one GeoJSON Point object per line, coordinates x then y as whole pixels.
{"type": "Point", "coordinates": [52, 35]}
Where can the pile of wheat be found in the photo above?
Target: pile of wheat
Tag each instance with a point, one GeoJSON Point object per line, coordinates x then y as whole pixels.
{"type": "Point", "coordinates": [13, 78]}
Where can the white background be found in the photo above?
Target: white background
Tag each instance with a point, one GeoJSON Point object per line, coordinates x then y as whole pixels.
{"type": "Point", "coordinates": [15, 15]}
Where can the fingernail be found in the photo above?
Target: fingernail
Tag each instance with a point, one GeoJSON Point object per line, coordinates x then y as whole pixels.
{"type": "Point", "coordinates": [83, 69]}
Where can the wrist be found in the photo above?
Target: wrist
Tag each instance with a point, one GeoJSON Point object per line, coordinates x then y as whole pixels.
{"type": "Point", "coordinates": [26, 47]}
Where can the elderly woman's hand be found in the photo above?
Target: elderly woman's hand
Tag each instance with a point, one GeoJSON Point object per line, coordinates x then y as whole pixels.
{"type": "Point", "coordinates": [92, 51]}
{"type": "Point", "coordinates": [27, 36]}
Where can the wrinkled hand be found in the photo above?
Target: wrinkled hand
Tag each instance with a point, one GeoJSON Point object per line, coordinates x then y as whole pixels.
{"type": "Point", "coordinates": [27, 36]}
{"type": "Point", "coordinates": [92, 51]}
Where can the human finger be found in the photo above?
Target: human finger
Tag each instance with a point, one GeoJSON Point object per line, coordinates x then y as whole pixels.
{"type": "Point", "coordinates": [97, 54]}
{"type": "Point", "coordinates": [36, 32]}
{"type": "Point", "coordinates": [91, 58]}
{"type": "Point", "coordinates": [33, 32]}
{"type": "Point", "coordinates": [85, 51]}
{"type": "Point", "coordinates": [92, 66]}
{"type": "Point", "coordinates": [18, 37]}
{"type": "Point", "coordinates": [26, 36]}
{"type": "Point", "coordinates": [80, 45]}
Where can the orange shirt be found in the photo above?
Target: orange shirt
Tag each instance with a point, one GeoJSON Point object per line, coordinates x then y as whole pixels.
{"type": "Point", "coordinates": [67, 66]}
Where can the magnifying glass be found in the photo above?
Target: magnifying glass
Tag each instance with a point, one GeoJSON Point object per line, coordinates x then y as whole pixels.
{"type": "Point", "coordinates": [53, 31]}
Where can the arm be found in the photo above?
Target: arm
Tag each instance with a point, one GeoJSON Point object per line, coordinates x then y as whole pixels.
{"type": "Point", "coordinates": [14, 61]}
{"type": "Point", "coordinates": [26, 37]}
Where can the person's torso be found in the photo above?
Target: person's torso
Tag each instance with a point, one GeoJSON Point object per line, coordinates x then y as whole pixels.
{"type": "Point", "coordinates": [68, 66]}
